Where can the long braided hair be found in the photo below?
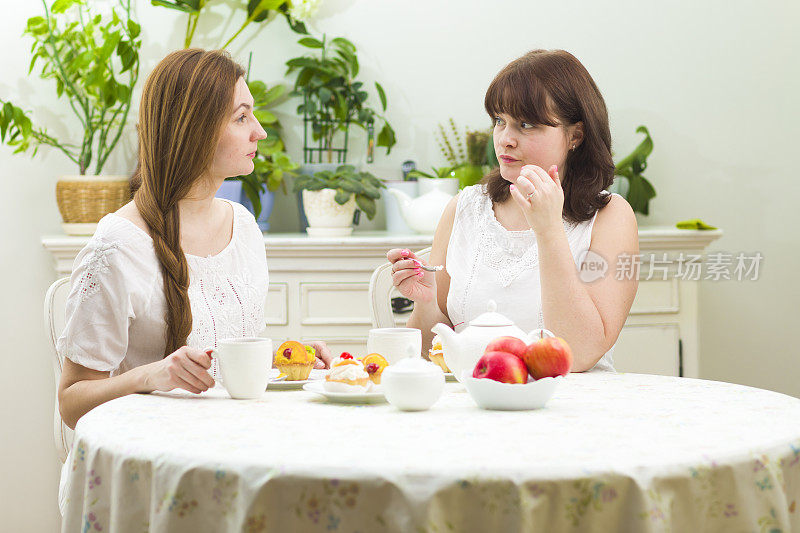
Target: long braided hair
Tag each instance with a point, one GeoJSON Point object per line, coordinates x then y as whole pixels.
{"type": "Point", "coordinates": [185, 103]}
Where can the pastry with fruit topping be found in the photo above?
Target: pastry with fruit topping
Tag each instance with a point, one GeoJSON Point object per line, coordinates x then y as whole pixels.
{"type": "Point", "coordinates": [295, 360]}
{"type": "Point", "coordinates": [374, 364]}
{"type": "Point", "coordinates": [436, 354]}
{"type": "Point", "coordinates": [347, 375]}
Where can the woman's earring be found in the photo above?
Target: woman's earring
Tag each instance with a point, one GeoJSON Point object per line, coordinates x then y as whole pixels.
{"type": "Point", "coordinates": [573, 147]}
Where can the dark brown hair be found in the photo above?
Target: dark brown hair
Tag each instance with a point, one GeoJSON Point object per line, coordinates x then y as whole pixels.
{"type": "Point", "coordinates": [551, 87]}
{"type": "Point", "coordinates": [185, 103]}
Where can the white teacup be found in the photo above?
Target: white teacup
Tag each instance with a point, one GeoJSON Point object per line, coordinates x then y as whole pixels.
{"type": "Point", "coordinates": [395, 343]}
{"type": "Point", "coordinates": [244, 363]}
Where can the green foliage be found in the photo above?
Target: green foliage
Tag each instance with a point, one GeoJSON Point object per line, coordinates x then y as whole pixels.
{"type": "Point", "coordinates": [469, 155]}
{"type": "Point", "coordinates": [87, 56]}
{"type": "Point", "coordinates": [258, 11]}
{"type": "Point", "coordinates": [441, 172]}
{"type": "Point", "coordinates": [346, 181]}
{"type": "Point", "coordinates": [332, 98]}
{"type": "Point", "coordinates": [271, 163]}
{"type": "Point", "coordinates": [640, 190]}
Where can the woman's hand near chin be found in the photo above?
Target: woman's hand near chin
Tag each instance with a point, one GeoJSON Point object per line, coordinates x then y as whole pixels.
{"type": "Point", "coordinates": [411, 281]}
{"type": "Point", "coordinates": [540, 197]}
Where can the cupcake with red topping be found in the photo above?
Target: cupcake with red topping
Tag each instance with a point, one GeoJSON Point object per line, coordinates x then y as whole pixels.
{"type": "Point", "coordinates": [347, 375]}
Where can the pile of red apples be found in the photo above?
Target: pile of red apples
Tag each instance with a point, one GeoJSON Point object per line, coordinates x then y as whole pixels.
{"type": "Point", "coordinates": [510, 360]}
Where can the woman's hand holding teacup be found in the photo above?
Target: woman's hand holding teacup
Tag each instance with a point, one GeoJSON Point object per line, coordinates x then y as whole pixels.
{"type": "Point", "coordinates": [540, 196]}
{"type": "Point", "coordinates": [185, 368]}
{"type": "Point", "coordinates": [412, 282]}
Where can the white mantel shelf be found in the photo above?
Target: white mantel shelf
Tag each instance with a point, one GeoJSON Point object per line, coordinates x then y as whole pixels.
{"type": "Point", "coordinates": [661, 238]}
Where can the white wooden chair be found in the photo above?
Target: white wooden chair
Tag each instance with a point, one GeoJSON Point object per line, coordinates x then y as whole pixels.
{"type": "Point", "coordinates": [380, 288]}
{"type": "Point", "coordinates": [54, 320]}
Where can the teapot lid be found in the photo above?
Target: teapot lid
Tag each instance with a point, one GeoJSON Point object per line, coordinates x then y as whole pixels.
{"type": "Point", "coordinates": [491, 317]}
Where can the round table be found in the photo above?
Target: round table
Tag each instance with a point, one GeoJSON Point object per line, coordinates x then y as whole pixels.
{"type": "Point", "coordinates": [609, 452]}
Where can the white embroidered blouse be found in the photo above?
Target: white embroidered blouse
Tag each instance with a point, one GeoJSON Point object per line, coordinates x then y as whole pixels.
{"type": "Point", "coordinates": [116, 308]}
{"type": "Point", "coordinates": [486, 262]}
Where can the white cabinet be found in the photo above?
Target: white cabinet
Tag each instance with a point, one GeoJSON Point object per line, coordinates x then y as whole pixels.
{"type": "Point", "coordinates": [318, 291]}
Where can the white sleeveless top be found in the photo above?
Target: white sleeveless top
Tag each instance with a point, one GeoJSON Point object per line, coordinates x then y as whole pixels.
{"type": "Point", "coordinates": [115, 310]}
{"type": "Point", "coordinates": [486, 262]}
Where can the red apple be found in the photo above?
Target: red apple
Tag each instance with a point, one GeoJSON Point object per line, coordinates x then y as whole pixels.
{"type": "Point", "coordinates": [548, 357]}
{"type": "Point", "coordinates": [501, 366]}
{"type": "Point", "coordinates": [508, 345]}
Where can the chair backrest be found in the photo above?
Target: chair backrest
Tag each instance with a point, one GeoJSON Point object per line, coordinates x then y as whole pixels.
{"type": "Point", "coordinates": [55, 301]}
{"type": "Point", "coordinates": [380, 293]}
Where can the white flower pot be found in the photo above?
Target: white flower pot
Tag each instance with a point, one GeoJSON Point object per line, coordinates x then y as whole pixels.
{"type": "Point", "coordinates": [326, 218]}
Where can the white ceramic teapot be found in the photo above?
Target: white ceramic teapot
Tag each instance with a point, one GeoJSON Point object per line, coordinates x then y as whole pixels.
{"type": "Point", "coordinates": [422, 214]}
{"type": "Point", "coordinates": [462, 350]}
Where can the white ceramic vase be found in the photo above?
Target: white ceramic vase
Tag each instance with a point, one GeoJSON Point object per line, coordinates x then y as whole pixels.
{"type": "Point", "coordinates": [327, 218]}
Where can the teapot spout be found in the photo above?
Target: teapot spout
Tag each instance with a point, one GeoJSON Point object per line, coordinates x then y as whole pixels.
{"type": "Point", "coordinates": [403, 200]}
{"type": "Point", "coordinates": [450, 343]}
{"type": "Point", "coordinates": [448, 336]}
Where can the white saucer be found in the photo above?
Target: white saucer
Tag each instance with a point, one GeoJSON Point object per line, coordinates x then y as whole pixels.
{"type": "Point", "coordinates": [316, 375]}
{"type": "Point", "coordinates": [373, 396]}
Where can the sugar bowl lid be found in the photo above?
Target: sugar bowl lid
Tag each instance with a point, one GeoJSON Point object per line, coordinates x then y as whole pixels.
{"type": "Point", "coordinates": [491, 317]}
{"type": "Point", "coordinates": [412, 366]}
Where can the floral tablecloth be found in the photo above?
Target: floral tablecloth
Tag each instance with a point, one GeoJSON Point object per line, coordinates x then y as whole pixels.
{"type": "Point", "coordinates": [610, 452]}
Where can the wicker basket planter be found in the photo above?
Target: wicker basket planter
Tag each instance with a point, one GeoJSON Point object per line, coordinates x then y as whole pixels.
{"type": "Point", "coordinates": [84, 200]}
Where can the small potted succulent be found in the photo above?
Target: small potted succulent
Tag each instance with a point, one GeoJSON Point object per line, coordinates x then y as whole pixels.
{"type": "Point", "coordinates": [95, 65]}
{"type": "Point", "coordinates": [330, 199]}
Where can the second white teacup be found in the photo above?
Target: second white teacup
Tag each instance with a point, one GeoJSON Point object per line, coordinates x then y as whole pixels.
{"type": "Point", "coordinates": [395, 343]}
{"type": "Point", "coordinates": [244, 364]}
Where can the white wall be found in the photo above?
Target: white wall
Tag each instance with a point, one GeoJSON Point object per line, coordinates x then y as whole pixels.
{"type": "Point", "coordinates": [716, 82]}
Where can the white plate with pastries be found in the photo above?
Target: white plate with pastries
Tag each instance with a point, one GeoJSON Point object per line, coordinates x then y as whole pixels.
{"type": "Point", "coordinates": [276, 382]}
{"type": "Point", "coordinates": [374, 395]}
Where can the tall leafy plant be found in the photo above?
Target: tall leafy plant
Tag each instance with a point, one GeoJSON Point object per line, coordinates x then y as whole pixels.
{"type": "Point", "coordinates": [640, 190]}
{"type": "Point", "coordinates": [333, 99]}
{"type": "Point", "coordinates": [94, 61]}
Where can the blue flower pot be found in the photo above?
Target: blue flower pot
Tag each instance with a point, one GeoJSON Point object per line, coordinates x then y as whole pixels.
{"type": "Point", "coordinates": [267, 201]}
{"type": "Point", "coordinates": [230, 190]}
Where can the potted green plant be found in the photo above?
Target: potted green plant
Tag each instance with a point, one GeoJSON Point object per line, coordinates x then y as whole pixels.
{"type": "Point", "coordinates": [636, 189]}
{"type": "Point", "coordinates": [468, 160]}
{"type": "Point", "coordinates": [271, 164]}
{"type": "Point", "coordinates": [333, 100]}
{"type": "Point", "coordinates": [330, 198]}
{"type": "Point", "coordinates": [88, 55]}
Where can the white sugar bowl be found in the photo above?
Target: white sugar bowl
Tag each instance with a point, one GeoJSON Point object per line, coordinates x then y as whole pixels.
{"type": "Point", "coordinates": [412, 384]}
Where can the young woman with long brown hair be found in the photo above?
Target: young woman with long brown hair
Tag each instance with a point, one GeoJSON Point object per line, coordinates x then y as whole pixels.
{"type": "Point", "coordinates": [521, 237]}
{"type": "Point", "coordinates": [175, 269]}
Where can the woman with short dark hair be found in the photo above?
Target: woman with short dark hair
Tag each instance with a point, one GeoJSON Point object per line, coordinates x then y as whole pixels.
{"type": "Point", "coordinates": [539, 235]}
